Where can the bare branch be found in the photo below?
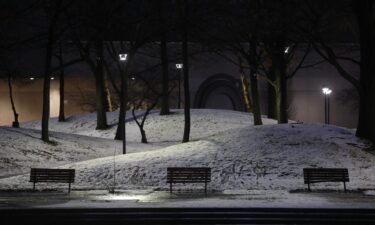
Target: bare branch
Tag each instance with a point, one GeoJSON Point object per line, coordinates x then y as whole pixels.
{"type": "Point", "coordinates": [300, 63]}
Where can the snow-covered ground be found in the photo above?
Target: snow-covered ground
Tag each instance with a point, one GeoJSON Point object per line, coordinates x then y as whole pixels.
{"type": "Point", "coordinates": [242, 157]}
{"type": "Point", "coordinates": [204, 123]}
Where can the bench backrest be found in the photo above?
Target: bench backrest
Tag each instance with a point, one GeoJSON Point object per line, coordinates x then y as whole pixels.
{"type": "Point", "coordinates": [315, 175]}
{"type": "Point", "coordinates": [52, 175]}
{"type": "Point", "coordinates": [188, 174]}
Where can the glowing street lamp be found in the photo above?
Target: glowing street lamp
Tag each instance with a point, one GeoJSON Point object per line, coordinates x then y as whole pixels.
{"type": "Point", "coordinates": [286, 51]}
{"type": "Point", "coordinates": [327, 92]}
{"type": "Point", "coordinates": [123, 57]}
{"type": "Point", "coordinates": [179, 66]}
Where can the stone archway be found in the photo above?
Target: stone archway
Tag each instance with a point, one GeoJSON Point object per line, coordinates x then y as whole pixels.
{"type": "Point", "coordinates": [219, 91]}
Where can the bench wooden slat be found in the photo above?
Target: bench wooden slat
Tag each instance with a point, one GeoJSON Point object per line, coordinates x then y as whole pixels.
{"type": "Point", "coordinates": [188, 175]}
{"type": "Point", "coordinates": [52, 175]}
{"type": "Point", "coordinates": [317, 175]}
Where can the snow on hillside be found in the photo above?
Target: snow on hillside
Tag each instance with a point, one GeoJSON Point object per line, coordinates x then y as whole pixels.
{"type": "Point", "coordinates": [22, 148]}
{"type": "Point", "coordinates": [204, 123]}
{"type": "Point", "coordinates": [269, 157]}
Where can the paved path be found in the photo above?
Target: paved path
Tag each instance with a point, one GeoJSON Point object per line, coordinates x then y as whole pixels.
{"type": "Point", "coordinates": [197, 199]}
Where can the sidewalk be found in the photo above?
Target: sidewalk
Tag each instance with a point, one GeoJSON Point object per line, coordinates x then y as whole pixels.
{"type": "Point", "coordinates": [196, 199]}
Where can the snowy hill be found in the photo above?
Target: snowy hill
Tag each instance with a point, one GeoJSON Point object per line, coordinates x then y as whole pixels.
{"type": "Point", "coordinates": [204, 123]}
{"type": "Point", "coordinates": [242, 157]}
{"type": "Point", "coordinates": [77, 139]}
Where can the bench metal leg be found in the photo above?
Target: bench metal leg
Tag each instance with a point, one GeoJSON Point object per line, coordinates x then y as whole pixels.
{"type": "Point", "coordinates": [34, 186]}
{"type": "Point", "coordinates": [344, 186]}
{"type": "Point", "coordinates": [170, 187]}
{"type": "Point", "coordinates": [308, 186]}
{"type": "Point", "coordinates": [69, 188]}
{"type": "Point", "coordinates": [205, 187]}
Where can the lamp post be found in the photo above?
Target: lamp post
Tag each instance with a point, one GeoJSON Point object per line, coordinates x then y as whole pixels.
{"type": "Point", "coordinates": [122, 58]}
{"type": "Point", "coordinates": [179, 66]}
{"type": "Point", "coordinates": [327, 92]}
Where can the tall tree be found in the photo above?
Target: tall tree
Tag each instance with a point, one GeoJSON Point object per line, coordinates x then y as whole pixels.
{"type": "Point", "coordinates": [282, 64]}
{"type": "Point", "coordinates": [364, 11]}
{"type": "Point", "coordinates": [15, 114]}
{"type": "Point", "coordinates": [276, 50]}
{"type": "Point", "coordinates": [139, 21]}
{"type": "Point", "coordinates": [164, 110]}
{"type": "Point", "coordinates": [240, 42]}
{"type": "Point", "coordinates": [55, 10]}
{"type": "Point", "coordinates": [101, 116]}
{"type": "Point", "coordinates": [185, 60]}
{"type": "Point", "coordinates": [62, 84]}
{"type": "Point", "coordinates": [322, 19]}
{"type": "Point", "coordinates": [91, 25]}
{"type": "Point", "coordinates": [253, 60]}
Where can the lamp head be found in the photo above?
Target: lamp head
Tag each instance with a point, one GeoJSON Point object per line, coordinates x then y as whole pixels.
{"type": "Point", "coordinates": [123, 57]}
{"type": "Point", "coordinates": [326, 90]}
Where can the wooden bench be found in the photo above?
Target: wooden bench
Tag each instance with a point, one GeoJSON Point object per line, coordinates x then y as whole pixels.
{"type": "Point", "coordinates": [188, 175]}
{"type": "Point", "coordinates": [317, 175]}
{"type": "Point", "coordinates": [52, 175]}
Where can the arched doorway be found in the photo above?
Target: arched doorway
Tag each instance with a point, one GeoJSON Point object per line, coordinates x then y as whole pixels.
{"type": "Point", "coordinates": [219, 91]}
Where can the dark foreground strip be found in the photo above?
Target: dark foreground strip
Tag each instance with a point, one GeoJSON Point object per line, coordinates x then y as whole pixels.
{"type": "Point", "coordinates": [188, 216]}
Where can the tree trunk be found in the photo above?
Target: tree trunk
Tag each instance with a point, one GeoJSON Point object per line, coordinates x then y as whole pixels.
{"type": "Point", "coordinates": [366, 120]}
{"type": "Point", "coordinates": [144, 138]}
{"type": "Point", "coordinates": [284, 100]}
{"type": "Point", "coordinates": [254, 64]}
{"type": "Point", "coordinates": [283, 116]}
{"type": "Point", "coordinates": [280, 92]}
{"type": "Point", "coordinates": [15, 122]}
{"type": "Point", "coordinates": [46, 94]}
{"type": "Point", "coordinates": [101, 116]}
{"type": "Point", "coordinates": [164, 63]}
{"type": "Point", "coordinates": [109, 105]}
{"type": "Point", "coordinates": [278, 101]}
{"type": "Point", "coordinates": [47, 72]}
{"type": "Point", "coordinates": [279, 69]}
{"type": "Point", "coordinates": [62, 87]}
{"type": "Point", "coordinates": [256, 103]}
{"type": "Point", "coordinates": [186, 74]}
{"type": "Point", "coordinates": [271, 98]}
{"type": "Point", "coordinates": [245, 90]}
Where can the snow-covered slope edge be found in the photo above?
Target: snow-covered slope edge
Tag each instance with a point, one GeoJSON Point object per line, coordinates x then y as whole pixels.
{"type": "Point", "coordinates": [204, 123]}
{"type": "Point", "coordinates": [264, 157]}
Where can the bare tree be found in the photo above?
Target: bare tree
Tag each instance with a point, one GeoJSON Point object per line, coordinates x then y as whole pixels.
{"type": "Point", "coordinates": [62, 84]}
{"type": "Point", "coordinates": [184, 14]}
{"type": "Point", "coordinates": [54, 10]}
{"type": "Point", "coordinates": [242, 39]}
{"type": "Point", "coordinates": [321, 19]}
{"type": "Point", "coordinates": [147, 101]}
{"type": "Point", "coordinates": [284, 65]}
{"type": "Point", "coordinates": [164, 59]}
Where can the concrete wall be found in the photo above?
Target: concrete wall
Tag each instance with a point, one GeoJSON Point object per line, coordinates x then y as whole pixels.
{"type": "Point", "coordinates": [28, 98]}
